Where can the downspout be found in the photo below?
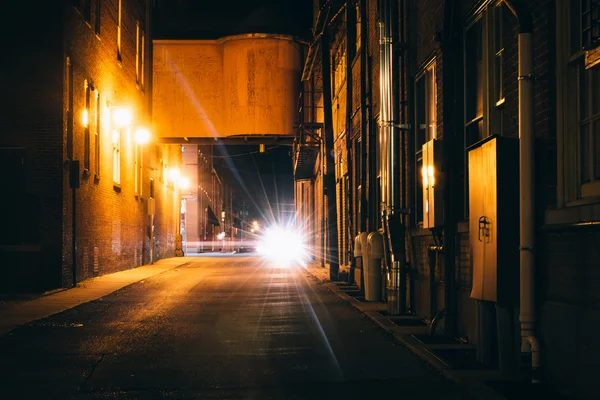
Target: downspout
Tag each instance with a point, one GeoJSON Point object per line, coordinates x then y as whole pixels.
{"type": "Point", "coordinates": [449, 112]}
{"type": "Point", "coordinates": [390, 213]}
{"type": "Point", "coordinates": [527, 316]}
{"type": "Point", "coordinates": [350, 53]}
{"type": "Point", "coordinates": [363, 116]}
{"type": "Point", "coordinates": [332, 228]}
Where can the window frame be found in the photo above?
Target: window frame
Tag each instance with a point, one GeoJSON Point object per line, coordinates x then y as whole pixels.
{"type": "Point", "coordinates": [572, 190]}
{"type": "Point", "coordinates": [492, 17]}
{"type": "Point", "coordinates": [86, 121]}
{"type": "Point", "coordinates": [119, 29]}
{"type": "Point", "coordinates": [428, 74]}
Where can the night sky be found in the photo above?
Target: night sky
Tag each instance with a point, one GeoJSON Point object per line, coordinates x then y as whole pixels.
{"type": "Point", "coordinates": [261, 180]}
{"type": "Point", "coordinates": [202, 19]}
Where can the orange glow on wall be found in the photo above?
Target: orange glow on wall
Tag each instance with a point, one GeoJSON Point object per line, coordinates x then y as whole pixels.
{"type": "Point", "coordinates": [238, 85]}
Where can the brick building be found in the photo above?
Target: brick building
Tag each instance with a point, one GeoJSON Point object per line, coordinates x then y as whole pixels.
{"type": "Point", "coordinates": [512, 274]}
{"type": "Point", "coordinates": [84, 195]}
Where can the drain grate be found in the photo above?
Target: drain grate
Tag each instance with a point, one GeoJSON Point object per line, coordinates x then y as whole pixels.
{"type": "Point", "coordinates": [428, 339]}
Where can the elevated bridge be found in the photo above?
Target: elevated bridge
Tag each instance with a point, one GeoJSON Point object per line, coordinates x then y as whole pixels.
{"type": "Point", "coordinates": [239, 89]}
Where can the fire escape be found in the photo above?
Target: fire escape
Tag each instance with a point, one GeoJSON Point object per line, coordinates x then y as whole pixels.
{"type": "Point", "coordinates": [309, 135]}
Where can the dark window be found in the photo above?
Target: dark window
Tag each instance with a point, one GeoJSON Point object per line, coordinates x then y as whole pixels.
{"type": "Point", "coordinates": [474, 83]}
{"type": "Point", "coordinates": [590, 23]}
{"type": "Point", "coordinates": [425, 127]}
{"type": "Point", "coordinates": [98, 19]}
{"type": "Point", "coordinates": [86, 125]}
{"type": "Point", "coordinates": [97, 134]}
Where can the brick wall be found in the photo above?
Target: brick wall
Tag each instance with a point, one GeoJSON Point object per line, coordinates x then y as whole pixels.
{"type": "Point", "coordinates": [111, 223]}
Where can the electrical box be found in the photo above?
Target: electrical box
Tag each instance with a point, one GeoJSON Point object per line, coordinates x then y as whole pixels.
{"type": "Point", "coordinates": [494, 219]}
{"type": "Point", "coordinates": [431, 174]}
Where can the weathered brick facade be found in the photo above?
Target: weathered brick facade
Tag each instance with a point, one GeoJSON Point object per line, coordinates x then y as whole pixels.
{"type": "Point", "coordinates": [68, 58]}
{"type": "Point", "coordinates": [566, 249]}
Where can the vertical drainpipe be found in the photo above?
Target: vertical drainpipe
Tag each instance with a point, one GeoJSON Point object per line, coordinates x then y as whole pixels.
{"type": "Point", "coordinates": [391, 213]}
{"type": "Point", "coordinates": [350, 52]}
{"type": "Point", "coordinates": [449, 110]}
{"type": "Point", "coordinates": [527, 316]}
{"type": "Point", "coordinates": [332, 232]}
{"type": "Point", "coordinates": [363, 115]}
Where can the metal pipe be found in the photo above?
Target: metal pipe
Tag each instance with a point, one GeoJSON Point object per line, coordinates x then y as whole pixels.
{"type": "Point", "coordinates": [332, 231]}
{"type": "Point", "coordinates": [390, 211]}
{"type": "Point", "coordinates": [450, 217]}
{"type": "Point", "coordinates": [527, 316]}
{"type": "Point", "coordinates": [350, 52]}
{"type": "Point", "coordinates": [363, 115]}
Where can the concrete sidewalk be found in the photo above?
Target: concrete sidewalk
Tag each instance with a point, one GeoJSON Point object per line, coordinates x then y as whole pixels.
{"type": "Point", "coordinates": [15, 313]}
{"type": "Point", "coordinates": [471, 379]}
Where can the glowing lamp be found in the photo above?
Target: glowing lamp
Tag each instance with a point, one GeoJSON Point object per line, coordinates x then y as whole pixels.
{"type": "Point", "coordinates": [184, 183]}
{"type": "Point", "coordinates": [142, 136]}
{"type": "Point", "coordinates": [122, 117]}
{"type": "Point", "coordinates": [431, 175]}
{"type": "Point", "coordinates": [174, 174]}
{"type": "Point", "coordinates": [85, 118]}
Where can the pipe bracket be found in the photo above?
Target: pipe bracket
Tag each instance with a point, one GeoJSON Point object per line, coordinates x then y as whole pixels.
{"type": "Point", "coordinates": [529, 77]}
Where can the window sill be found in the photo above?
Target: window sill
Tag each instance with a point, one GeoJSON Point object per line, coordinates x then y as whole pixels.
{"type": "Point", "coordinates": [574, 215]}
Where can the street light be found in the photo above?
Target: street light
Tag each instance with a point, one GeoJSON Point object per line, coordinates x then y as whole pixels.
{"type": "Point", "coordinates": [174, 174]}
{"type": "Point", "coordinates": [184, 183]}
{"type": "Point", "coordinates": [121, 116]}
{"type": "Point", "coordinates": [142, 136]}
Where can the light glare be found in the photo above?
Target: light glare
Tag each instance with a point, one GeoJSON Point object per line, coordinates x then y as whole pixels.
{"type": "Point", "coordinates": [283, 246]}
{"type": "Point", "coordinates": [122, 117]}
{"type": "Point", "coordinates": [142, 136]}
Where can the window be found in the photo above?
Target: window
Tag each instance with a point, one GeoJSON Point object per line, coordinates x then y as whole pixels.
{"type": "Point", "coordinates": [142, 59]}
{"type": "Point", "coordinates": [139, 161]}
{"type": "Point", "coordinates": [474, 130]}
{"type": "Point", "coordinates": [425, 125]}
{"type": "Point", "coordinates": [358, 22]}
{"type": "Point", "coordinates": [483, 79]}
{"type": "Point", "coordinates": [98, 19]}
{"type": "Point", "coordinates": [339, 65]}
{"type": "Point", "coordinates": [119, 22]}
{"type": "Point", "coordinates": [69, 105]}
{"type": "Point", "coordinates": [86, 124]}
{"type": "Point", "coordinates": [85, 7]}
{"type": "Point", "coordinates": [116, 144]}
{"type": "Point", "coordinates": [137, 52]}
{"type": "Point", "coordinates": [578, 97]}
{"type": "Point", "coordinates": [590, 23]}
{"type": "Point", "coordinates": [97, 130]}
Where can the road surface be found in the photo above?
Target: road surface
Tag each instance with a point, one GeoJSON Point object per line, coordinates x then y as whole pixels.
{"type": "Point", "coordinates": [217, 328]}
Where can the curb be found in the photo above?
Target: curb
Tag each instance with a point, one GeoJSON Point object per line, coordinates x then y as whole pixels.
{"type": "Point", "coordinates": [476, 389]}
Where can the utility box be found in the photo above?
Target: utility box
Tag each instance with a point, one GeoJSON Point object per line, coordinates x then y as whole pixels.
{"type": "Point", "coordinates": [431, 173]}
{"type": "Point", "coordinates": [494, 219]}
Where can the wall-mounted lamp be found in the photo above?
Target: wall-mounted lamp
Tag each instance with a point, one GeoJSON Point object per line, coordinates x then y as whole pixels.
{"type": "Point", "coordinates": [85, 118]}
{"type": "Point", "coordinates": [174, 174]}
{"type": "Point", "coordinates": [184, 183]}
{"type": "Point", "coordinates": [121, 116]}
{"type": "Point", "coordinates": [142, 136]}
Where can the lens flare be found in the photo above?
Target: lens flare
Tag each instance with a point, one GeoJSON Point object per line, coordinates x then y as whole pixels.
{"type": "Point", "coordinates": [283, 246]}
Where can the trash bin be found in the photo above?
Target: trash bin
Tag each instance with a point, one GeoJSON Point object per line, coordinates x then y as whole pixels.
{"type": "Point", "coordinates": [360, 250]}
{"type": "Point", "coordinates": [373, 272]}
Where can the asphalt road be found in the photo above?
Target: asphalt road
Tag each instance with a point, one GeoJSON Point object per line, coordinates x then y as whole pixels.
{"type": "Point", "coordinates": [218, 328]}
